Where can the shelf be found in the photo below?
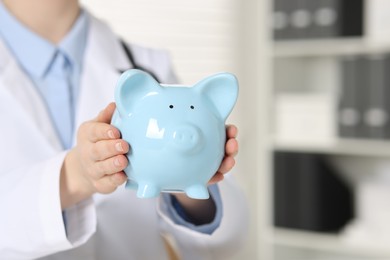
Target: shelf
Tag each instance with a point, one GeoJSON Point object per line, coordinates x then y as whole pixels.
{"type": "Point", "coordinates": [326, 242]}
{"type": "Point", "coordinates": [326, 47]}
{"type": "Point", "coordinates": [352, 147]}
{"type": "Point", "coordinates": [296, 253]}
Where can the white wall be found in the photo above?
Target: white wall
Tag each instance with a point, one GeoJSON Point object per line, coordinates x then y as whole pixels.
{"type": "Point", "coordinates": [201, 35]}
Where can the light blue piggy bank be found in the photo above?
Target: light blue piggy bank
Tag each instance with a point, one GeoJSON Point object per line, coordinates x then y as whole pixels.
{"type": "Point", "coordinates": [176, 133]}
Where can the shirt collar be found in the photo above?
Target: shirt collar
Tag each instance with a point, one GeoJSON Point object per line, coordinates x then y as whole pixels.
{"type": "Point", "coordinates": [21, 40]}
{"type": "Point", "coordinates": [73, 45]}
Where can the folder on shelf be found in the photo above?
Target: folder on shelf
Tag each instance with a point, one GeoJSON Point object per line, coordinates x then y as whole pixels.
{"type": "Point", "coordinates": [349, 116]}
{"type": "Point", "coordinates": [280, 19]}
{"type": "Point", "coordinates": [312, 19]}
{"type": "Point", "coordinates": [309, 194]}
{"type": "Point", "coordinates": [300, 19]}
{"type": "Point", "coordinates": [284, 25]}
{"type": "Point", "coordinates": [291, 19]}
{"type": "Point", "coordinates": [376, 113]}
{"type": "Point", "coordinates": [325, 18]}
{"type": "Point", "coordinates": [362, 90]}
{"type": "Point", "coordinates": [351, 17]}
{"type": "Point", "coordinates": [285, 211]}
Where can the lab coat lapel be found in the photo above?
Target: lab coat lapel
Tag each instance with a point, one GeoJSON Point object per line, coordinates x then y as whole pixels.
{"type": "Point", "coordinates": [97, 83]}
{"type": "Point", "coordinates": [15, 82]}
{"type": "Point", "coordinates": [101, 70]}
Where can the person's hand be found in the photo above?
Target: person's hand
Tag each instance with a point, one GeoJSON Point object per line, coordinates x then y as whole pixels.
{"type": "Point", "coordinates": [97, 161]}
{"type": "Point", "coordinates": [231, 149]}
{"type": "Point", "coordinates": [203, 211]}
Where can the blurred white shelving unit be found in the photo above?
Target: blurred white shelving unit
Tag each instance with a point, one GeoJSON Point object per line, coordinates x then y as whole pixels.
{"type": "Point", "coordinates": [347, 147]}
{"type": "Point", "coordinates": [326, 47]}
{"type": "Point", "coordinates": [327, 243]}
{"type": "Point", "coordinates": [312, 67]}
{"type": "Point", "coordinates": [296, 244]}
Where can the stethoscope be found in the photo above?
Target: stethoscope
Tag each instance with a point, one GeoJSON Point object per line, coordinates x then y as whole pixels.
{"type": "Point", "coordinates": [130, 57]}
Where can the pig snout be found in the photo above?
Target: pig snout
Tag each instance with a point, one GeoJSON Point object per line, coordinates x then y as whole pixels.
{"type": "Point", "coordinates": [187, 138]}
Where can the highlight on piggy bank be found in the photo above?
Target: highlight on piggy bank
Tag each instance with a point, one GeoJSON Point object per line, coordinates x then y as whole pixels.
{"type": "Point", "coordinates": [176, 133]}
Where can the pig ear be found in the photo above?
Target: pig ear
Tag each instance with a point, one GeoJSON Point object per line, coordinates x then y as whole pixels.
{"type": "Point", "coordinates": [132, 86]}
{"type": "Point", "coordinates": [222, 90]}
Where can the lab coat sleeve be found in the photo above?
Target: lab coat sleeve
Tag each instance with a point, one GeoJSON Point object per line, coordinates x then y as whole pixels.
{"type": "Point", "coordinates": [31, 221]}
{"type": "Point", "coordinates": [224, 241]}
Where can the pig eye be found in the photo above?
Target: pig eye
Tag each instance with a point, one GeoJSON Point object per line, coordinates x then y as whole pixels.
{"type": "Point", "coordinates": [170, 106]}
{"type": "Point", "coordinates": [192, 107]}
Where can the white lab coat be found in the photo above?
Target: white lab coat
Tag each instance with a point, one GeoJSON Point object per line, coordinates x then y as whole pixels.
{"type": "Point", "coordinates": [116, 226]}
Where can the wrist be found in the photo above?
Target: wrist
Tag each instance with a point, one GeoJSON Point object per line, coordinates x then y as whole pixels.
{"type": "Point", "coordinates": [199, 211]}
{"type": "Point", "coordinates": [74, 186]}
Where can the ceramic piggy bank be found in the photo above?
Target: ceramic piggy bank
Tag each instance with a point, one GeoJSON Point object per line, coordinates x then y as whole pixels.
{"type": "Point", "coordinates": [176, 133]}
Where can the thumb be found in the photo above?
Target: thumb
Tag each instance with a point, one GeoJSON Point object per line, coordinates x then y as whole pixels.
{"type": "Point", "coordinates": [106, 114]}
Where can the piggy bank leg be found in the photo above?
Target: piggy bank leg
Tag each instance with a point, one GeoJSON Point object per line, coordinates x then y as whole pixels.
{"type": "Point", "coordinates": [197, 191]}
{"type": "Point", "coordinates": [131, 185]}
{"type": "Point", "coordinates": [147, 190]}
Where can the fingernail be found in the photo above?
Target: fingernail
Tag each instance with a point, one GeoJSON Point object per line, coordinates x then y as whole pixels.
{"type": "Point", "coordinates": [111, 134]}
{"type": "Point", "coordinates": [119, 147]}
{"type": "Point", "coordinates": [117, 162]}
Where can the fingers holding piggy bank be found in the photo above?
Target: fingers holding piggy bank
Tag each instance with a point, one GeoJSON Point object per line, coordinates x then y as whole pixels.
{"type": "Point", "coordinates": [177, 133]}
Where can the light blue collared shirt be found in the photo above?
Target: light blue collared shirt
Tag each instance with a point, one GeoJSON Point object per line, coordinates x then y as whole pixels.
{"type": "Point", "coordinates": [46, 64]}
{"type": "Point", "coordinates": [49, 65]}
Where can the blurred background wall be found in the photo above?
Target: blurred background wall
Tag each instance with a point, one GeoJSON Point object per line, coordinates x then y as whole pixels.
{"type": "Point", "coordinates": [202, 36]}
